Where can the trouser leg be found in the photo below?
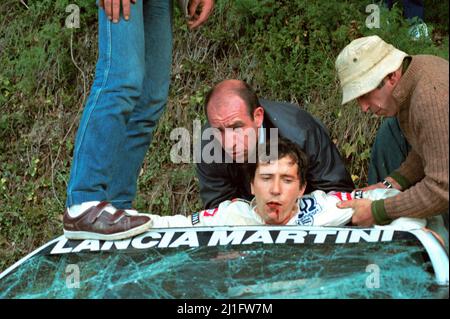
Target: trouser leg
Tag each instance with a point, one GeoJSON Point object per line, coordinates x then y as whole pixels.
{"type": "Point", "coordinates": [113, 97]}
{"type": "Point", "coordinates": [388, 151]}
{"type": "Point", "coordinates": [151, 104]}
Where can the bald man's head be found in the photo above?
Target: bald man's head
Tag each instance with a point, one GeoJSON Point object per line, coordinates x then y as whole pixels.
{"type": "Point", "coordinates": [223, 92]}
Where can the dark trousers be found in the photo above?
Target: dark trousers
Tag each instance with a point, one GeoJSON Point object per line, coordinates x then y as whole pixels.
{"type": "Point", "coordinates": [411, 8]}
{"type": "Point", "coordinates": [388, 151]}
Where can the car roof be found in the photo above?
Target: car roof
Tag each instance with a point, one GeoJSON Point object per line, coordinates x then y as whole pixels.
{"type": "Point", "coordinates": [233, 262]}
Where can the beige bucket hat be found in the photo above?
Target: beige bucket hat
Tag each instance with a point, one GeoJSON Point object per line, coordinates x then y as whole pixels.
{"type": "Point", "coordinates": [363, 64]}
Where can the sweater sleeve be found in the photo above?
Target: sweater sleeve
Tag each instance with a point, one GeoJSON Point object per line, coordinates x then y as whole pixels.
{"type": "Point", "coordinates": [428, 164]}
{"type": "Point", "coordinates": [410, 171]}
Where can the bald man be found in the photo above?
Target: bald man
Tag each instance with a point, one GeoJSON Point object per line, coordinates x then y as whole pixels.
{"type": "Point", "coordinates": [238, 122]}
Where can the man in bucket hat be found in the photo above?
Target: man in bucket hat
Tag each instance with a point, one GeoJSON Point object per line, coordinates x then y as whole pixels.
{"type": "Point", "coordinates": [414, 89]}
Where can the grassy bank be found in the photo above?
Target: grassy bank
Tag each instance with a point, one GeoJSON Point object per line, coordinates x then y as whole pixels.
{"type": "Point", "coordinates": [285, 49]}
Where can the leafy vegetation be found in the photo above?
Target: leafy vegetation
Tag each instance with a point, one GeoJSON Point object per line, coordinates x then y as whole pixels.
{"type": "Point", "coordinates": [285, 49]}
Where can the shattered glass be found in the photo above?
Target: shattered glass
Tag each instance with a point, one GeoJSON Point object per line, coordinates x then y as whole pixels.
{"type": "Point", "coordinates": [370, 270]}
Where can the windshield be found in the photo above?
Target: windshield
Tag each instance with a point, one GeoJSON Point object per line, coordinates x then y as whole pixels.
{"type": "Point", "coordinates": [399, 268]}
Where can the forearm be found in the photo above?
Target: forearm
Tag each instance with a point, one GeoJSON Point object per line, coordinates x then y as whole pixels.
{"type": "Point", "coordinates": [170, 221]}
{"type": "Point", "coordinates": [410, 172]}
{"type": "Point", "coordinates": [227, 213]}
{"type": "Point", "coordinates": [426, 198]}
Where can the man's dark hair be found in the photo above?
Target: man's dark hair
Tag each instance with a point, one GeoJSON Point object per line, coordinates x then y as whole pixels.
{"type": "Point", "coordinates": [244, 91]}
{"type": "Point", "coordinates": [285, 148]}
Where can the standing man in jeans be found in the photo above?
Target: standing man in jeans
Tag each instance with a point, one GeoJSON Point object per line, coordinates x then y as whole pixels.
{"type": "Point", "coordinates": [127, 99]}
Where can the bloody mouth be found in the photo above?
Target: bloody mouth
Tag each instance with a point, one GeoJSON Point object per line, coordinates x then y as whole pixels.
{"type": "Point", "coordinates": [274, 206]}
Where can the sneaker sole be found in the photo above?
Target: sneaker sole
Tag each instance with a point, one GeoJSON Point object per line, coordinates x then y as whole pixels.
{"type": "Point", "coordinates": [116, 236]}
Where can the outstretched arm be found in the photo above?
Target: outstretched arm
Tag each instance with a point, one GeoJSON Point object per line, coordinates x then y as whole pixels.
{"type": "Point", "coordinates": [365, 211]}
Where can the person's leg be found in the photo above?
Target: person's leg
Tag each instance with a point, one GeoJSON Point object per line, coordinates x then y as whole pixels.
{"type": "Point", "coordinates": [152, 102]}
{"type": "Point", "coordinates": [413, 9]}
{"type": "Point", "coordinates": [389, 3]}
{"type": "Point", "coordinates": [113, 97]}
{"type": "Point", "coordinates": [388, 151]}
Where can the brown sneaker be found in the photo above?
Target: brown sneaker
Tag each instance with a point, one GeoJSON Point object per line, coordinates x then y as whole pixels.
{"type": "Point", "coordinates": [95, 223]}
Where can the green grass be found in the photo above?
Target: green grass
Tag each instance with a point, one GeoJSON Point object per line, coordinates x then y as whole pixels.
{"type": "Point", "coordinates": [285, 49]}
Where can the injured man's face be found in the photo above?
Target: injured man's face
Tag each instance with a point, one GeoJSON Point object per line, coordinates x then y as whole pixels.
{"type": "Point", "coordinates": [277, 187]}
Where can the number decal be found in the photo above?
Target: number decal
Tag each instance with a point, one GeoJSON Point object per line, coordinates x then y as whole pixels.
{"type": "Point", "coordinates": [308, 208]}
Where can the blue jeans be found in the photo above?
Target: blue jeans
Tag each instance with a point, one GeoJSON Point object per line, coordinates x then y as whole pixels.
{"type": "Point", "coordinates": [411, 8]}
{"type": "Point", "coordinates": [126, 100]}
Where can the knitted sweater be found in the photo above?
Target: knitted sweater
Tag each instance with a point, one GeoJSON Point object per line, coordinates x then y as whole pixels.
{"type": "Point", "coordinates": [422, 95]}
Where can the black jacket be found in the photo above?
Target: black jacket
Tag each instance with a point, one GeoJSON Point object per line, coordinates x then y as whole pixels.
{"type": "Point", "coordinates": [222, 181]}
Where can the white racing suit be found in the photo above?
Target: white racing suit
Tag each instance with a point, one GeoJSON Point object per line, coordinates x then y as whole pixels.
{"type": "Point", "coordinates": [315, 209]}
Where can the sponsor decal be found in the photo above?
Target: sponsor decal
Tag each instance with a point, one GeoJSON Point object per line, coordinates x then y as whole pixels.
{"type": "Point", "coordinates": [195, 238]}
{"type": "Point", "coordinates": [309, 207]}
{"type": "Point", "coordinates": [195, 218]}
{"type": "Point", "coordinates": [210, 212]}
{"type": "Point", "coordinates": [343, 195]}
{"type": "Point", "coordinates": [358, 194]}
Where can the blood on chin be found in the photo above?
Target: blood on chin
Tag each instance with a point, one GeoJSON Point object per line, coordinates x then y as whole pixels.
{"type": "Point", "coordinates": [274, 207]}
{"type": "Point", "coordinates": [273, 211]}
